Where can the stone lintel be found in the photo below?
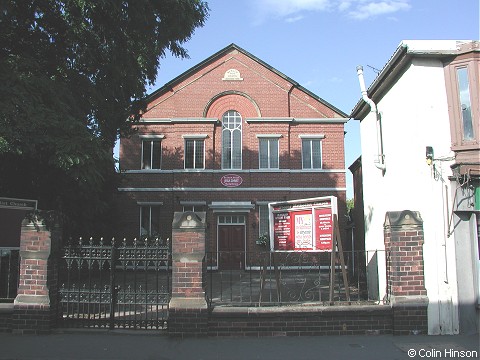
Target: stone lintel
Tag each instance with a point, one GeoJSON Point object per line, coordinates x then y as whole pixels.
{"type": "Point", "coordinates": [403, 219]}
{"type": "Point", "coordinates": [30, 225]}
{"type": "Point", "coordinates": [179, 303]}
{"type": "Point", "coordinates": [188, 221]}
{"type": "Point", "coordinates": [34, 255]}
{"type": "Point", "coordinates": [6, 308]}
{"type": "Point", "coordinates": [24, 299]}
{"type": "Point", "coordinates": [301, 310]}
{"type": "Point", "coordinates": [409, 301]}
{"type": "Point", "coordinates": [195, 257]}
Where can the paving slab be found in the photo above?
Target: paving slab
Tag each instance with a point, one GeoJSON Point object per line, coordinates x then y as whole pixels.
{"type": "Point", "coordinates": [95, 345]}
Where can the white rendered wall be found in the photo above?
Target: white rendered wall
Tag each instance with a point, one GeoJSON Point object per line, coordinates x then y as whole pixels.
{"type": "Point", "coordinates": [414, 115]}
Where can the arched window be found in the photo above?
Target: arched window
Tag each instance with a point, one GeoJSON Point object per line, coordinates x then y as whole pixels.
{"type": "Point", "coordinates": [231, 140]}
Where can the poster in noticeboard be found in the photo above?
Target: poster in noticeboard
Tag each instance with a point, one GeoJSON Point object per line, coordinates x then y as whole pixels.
{"type": "Point", "coordinates": [303, 225]}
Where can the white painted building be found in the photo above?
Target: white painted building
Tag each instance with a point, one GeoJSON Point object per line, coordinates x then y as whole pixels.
{"type": "Point", "coordinates": [418, 109]}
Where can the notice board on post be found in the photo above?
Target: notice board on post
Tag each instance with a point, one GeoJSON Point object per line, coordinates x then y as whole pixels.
{"type": "Point", "coordinates": [303, 225]}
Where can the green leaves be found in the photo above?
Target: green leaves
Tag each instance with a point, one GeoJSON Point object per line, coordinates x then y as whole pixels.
{"type": "Point", "coordinates": [72, 79]}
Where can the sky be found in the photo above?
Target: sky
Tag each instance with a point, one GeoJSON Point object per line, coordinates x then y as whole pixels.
{"type": "Point", "coordinates": [319, 43]}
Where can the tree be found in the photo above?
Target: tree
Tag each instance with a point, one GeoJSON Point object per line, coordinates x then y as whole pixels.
{"type": "Point", "coordinates": [350, 207]}
{"type": "Point", "coordinates": [73, 76]}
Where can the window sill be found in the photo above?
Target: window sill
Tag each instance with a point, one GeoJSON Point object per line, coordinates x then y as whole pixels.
{"type": "Point", "coordinates": [226, 171]}
{"type": "Point", "coordinates": [466, 147]}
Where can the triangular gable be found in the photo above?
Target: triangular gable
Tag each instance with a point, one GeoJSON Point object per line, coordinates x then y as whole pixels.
{"type": "Point", "coordinates": [231, 62]}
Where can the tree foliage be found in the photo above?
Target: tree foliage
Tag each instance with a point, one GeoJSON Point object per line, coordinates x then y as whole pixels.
{"type": "Point", "coordinates": [73, 75]}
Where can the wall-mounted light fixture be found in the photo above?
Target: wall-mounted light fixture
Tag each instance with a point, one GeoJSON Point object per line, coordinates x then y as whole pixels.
{"type": "Point", "coordinates": [429, 155]}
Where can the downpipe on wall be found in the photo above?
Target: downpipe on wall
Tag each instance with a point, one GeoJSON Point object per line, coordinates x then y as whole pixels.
{"type": "Point", "coordinates": [380, 158]}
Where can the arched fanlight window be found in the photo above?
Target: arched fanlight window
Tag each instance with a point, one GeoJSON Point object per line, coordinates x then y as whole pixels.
{"type": "Point", "coordinates": [231, 140]}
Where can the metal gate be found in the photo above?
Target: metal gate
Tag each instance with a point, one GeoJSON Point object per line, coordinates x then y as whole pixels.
{"type": "Point", "coordinates": [124, 285]}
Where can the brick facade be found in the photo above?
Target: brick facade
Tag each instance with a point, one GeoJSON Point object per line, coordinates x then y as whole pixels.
{"type": "Point", "coordinates": [34, 308]}
{"type": "Point", "coordinates": [189, 314]}
{"type": "Point", "coordinates": [405, 272]}
{"type": "Point", "coordinates": [193, 104]}
{"type": "Point", "coordinates": [188, 311]}
{"type": "Point", "coordinates": [301, 321]}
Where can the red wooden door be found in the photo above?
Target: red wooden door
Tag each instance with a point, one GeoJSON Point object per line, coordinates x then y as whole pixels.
{"type": "Point", "coordinates": [231, 247]}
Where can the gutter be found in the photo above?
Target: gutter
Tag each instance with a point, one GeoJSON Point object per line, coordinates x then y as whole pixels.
{"type": "Point", "coordinates": [394, 65]}
{"type": "Point", "coordinates": [380, 157]}
{"type": "Point", "coordinates": [402, 56]}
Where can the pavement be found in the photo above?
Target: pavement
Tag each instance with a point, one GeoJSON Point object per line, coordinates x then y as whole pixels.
{"type": "Point", "coordinates": [116, 344]}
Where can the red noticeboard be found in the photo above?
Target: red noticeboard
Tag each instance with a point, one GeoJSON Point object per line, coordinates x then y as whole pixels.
{"type": "Point", "coordinates": [324, 228]}
{"type": "Point", "coordinates": [303, 225]}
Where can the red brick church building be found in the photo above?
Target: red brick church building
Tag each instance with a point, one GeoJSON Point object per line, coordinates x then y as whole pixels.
{"type": "Point", "coordinates": [227, 137]}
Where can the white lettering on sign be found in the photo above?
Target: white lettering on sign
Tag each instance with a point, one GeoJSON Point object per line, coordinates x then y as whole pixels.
{"type": "Point", "coordinates": [18, 204]}
{"type": "Point", "coordinates": [231, 180]}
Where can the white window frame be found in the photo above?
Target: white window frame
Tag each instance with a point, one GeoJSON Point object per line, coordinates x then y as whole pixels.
{"type": "Point", "coordinates": [195, 206]}
{"type": "Point", "coordinates": [194, 138]}
{"type": "Point", "coordinates": [262, 212]}
{"type": "Point", "coordinates": [466, 94]}
{"type": "Point", "coordinates": [268, 138]}
{"type": "Point", "coordinates": [231, 114]}
{"type": "Point", "coordinates": [231, 219]}
{"type": "Point", "coordinates": [311, 138]}
{"type": "Point", "coordinates": [148, 206]}
{"type": "Point", "coordinates": [151, 139]}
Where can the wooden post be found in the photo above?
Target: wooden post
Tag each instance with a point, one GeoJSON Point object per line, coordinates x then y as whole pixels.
{"type": "Point", "coordinates": [337, 246]}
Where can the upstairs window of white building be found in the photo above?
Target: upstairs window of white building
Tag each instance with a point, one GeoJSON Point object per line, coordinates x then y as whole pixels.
{"type": "Point", "coordinates": [462, 77]}
{"type": "Point", "coordinates": [465, 103]}
{"type": "Point", "coordinates": [231, 140]}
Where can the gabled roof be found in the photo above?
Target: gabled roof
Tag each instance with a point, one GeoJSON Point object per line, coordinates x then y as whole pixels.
{"type": "Point", "coordinates": [441, 49]}
{"type": "Point", "coordinates": [167, 87]}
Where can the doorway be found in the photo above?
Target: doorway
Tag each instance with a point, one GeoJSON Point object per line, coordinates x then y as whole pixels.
{"type": "Point", "coordinates": [231, 242]}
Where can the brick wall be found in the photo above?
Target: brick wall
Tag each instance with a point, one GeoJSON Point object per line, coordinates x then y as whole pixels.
{"type": "Point", "coordinates": [403, 236]}
{"type": "Point", "coordinates": [188, 310]}
{"type": "Point", "coordinates": [290, 144]}
{"type": "Point", "coordinates": [301, 321]}
{"type": "Point", "coordinates": [6, 312]}
{"type": "Point", "coordinates": [190, 316]}
{"type": "Point", "coordinates": [406, 276]}
{"type": "Point", "coordinates": [404, 246]}
{"type": "Point", "coordinates": [34, 309]}
{"type": "Point", "coordinates": [187, 275]}
{"type": "Point", "coordinates": [195, 104]}
{"type": "Point", "coordinates": [261, 93]}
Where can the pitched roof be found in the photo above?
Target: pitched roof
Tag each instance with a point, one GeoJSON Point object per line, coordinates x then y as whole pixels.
{"type": "Point", "coordinates": [442, 49]}
{"type": "Point", "coordinates": [229, 48]}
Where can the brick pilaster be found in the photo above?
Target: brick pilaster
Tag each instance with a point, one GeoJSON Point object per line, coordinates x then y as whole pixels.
{"type": "Point", "coordinates": [188, 315]}
{"type": "Point", "coordinates": [403, 236]}
{"type": "Point", "coordinates": [34, 308]}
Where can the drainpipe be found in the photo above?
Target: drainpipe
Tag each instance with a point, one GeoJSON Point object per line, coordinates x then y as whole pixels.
{"type": "Point", "coordinates": [380, 160]}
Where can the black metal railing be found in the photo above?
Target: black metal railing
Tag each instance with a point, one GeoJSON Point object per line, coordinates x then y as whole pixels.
{"type": "Point", "coordinates": [282, 278]}
{"type": "Point", "coordinates": [116, 285]}
{"type": "Point", "coordinates": [9, 271]}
